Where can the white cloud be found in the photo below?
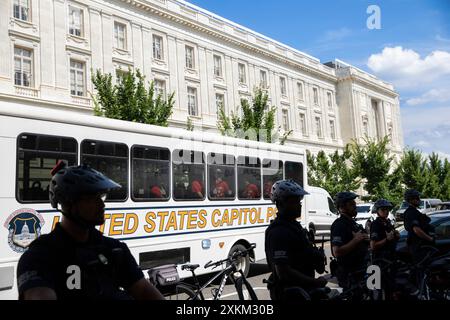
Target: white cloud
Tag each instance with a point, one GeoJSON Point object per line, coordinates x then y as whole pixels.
{"type": "Point", "coordinates": [433, 95]}
{"type": "Point", "coordinates": [407, 69]}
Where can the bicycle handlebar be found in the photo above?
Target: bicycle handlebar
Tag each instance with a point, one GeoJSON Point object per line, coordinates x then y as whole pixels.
{"type": "Point", "coordinates": [231, 258]}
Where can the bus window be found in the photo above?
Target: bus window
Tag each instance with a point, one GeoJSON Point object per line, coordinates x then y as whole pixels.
{"type": "Point", "coordinates": [221, 176]}
{"type": "Point", "coordinates": [294, 171]}
{"type": "Point", "coordinates": [37, 156]}
{"type": "Point", "coordinates": [272, 172]}
{"type": "Point", "coordinates": [150, 167]}
{"type": "Point", "coordinates": [111, 159]}
{"type": "Point", "coordinates": [249, 178]}
{"type": "Point", "coordinates": [188, 175]}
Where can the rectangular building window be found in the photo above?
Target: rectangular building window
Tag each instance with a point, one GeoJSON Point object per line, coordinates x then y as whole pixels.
{"type": "Point", "coordinates": [160, 88]}
{"type": "Point", "coordinates": [120, 75]}
{"type": "Point", "coordinates": [76, 21]}
{"type": "Point", "coordinates": [22, 10]}
{"type": "Point", "coordinates": [329, 100]}
{"type": "Point", "coordinates": [318, 127]}
{"type": "Point", "coordinates": [220, 102]}
{"type": "Point", "coordinates": [188, 180]}
{"type": "Point", "coordinates": [151, 173]}
{"type": "Point", "coordinates": [23, 67]}
{"type": "Point", "coordinates": [192, 101]}
{"type": "Point", "coordinates": [120, 35]}
{"type": "Point", "coordinates": [222, 175]}
{"type": "Point", "coordinates": [111, 159]}
{"type": "Point", "coordinates": [272, 172]}
{"type": "Point", "coordinates": [302, 123]}
{"type": "Point", "coordinates": [283, 86]}
{"type": "Point", "coordinates": [217, 66]}
{"type": "Point", "coordinates": [263, 79]}
{"type": "Point", "coordinates": [300, 91]}
{"type": "Point", "coordinates": [294, 171]}
{"type": "Point", "coordinates": [158, 52]}
{"type": "Point", "coordinates": [332, 130]}
{"type": "Point", "coordinates": [37, 156]}
{"type": "Point", "coordinates": [249, 178]}
{"type": "Point", "coordinates": [316, 96]}
{"type": "Point", "coordinates": [77, 78]}
{"type": "Point", "coordinates": [241, 73]}
{"type": "Point", "coordinates": [285, 119]}
{"type": "Point", "coordinates": [190, 57]}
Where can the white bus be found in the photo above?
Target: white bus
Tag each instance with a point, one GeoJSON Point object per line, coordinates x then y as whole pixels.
{"type": "Point", "coordinates": [185, 196]}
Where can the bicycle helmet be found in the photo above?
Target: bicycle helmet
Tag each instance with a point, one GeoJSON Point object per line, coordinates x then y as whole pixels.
{"type": "Point", "coordinates": [69, 183]}
{"type": "Point", "coordinates": [343, 197]}
{"type": "Point", "coordinates": [283, 189]}
{"type": "Point", "coordinates": [382, 203]}
{"type": "Point", "coordinates": [411, 194]}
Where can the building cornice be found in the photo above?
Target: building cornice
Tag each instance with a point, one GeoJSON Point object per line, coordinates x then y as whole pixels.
{"type": "Point", "coordinates": [160, 10]}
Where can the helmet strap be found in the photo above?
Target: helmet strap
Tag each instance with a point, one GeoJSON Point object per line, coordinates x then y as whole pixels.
{"type": "Point", "coordinates": [82, 223]}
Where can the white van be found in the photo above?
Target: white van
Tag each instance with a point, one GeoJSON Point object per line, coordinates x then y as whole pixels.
{"type": "Point", "coordinates": [320, 210]}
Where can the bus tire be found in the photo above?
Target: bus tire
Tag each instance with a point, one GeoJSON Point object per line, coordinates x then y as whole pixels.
{"type": "Point", "coordinates": [245, 261]}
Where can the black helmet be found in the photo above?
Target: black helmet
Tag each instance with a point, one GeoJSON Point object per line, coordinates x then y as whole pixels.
{"type": "Point", "coordinates": [69, 183]}
{"type": "Point", "coordinates": [382, 203]}
{"type": "Point", "coordinates": [286, 188]}
{"type": "Point", "coordinates": [411, 194]}
{"type": "Point", "coordinates": [343, 197]}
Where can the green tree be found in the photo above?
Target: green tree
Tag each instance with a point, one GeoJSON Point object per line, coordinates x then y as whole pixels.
{"type": "Point", "coordinates": [189, 125]}
{"type": "Point", "coordinates": [413, 169]}
{"type": "Point", "coordinates": [256, 123]}
{"type": "Point", "coordinates": [130, 100]}
{"type": "Point", "coordinates": [373, 162]}
{"type": "Point", "coordinates": [332, 172]}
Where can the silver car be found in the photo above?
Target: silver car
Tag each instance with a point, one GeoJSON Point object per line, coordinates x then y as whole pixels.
{"type": "Point", "coordinates": [426, 206]}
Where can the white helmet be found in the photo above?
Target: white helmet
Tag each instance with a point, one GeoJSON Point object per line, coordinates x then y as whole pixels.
{"type": "Point", "coordinates": [286, 188]}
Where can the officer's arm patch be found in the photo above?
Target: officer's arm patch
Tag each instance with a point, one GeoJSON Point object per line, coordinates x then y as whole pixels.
{"type": "Point", "coordinates": [336, 240]}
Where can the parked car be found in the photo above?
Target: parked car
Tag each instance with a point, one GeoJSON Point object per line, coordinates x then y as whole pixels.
{"type": "Point", "coordinates": [426, 206]}
{"type": "Point", "coordinates": [366, 215]}
{"type": "Point", "coordinates": [320, 211]}
{"type": "Point", "coordinates": [444, 205]}
{"type": "Point", "coordinates": [441, 221]}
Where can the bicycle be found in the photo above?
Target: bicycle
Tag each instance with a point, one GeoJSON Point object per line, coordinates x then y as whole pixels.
{"type": "Point", "coordinates": [186, 291]}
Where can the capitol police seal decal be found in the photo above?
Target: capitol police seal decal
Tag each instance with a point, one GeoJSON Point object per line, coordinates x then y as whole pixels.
{"type": "Point", "coordinates": [24, 226]}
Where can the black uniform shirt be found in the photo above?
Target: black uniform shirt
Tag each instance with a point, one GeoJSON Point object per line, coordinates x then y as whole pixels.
{"type": "Point", "coordinates": [414, 218]}
{"type": "Point", "coordinates": [105, 265]}
{"type": "Point", "coordinates": [286, 242]}
{"type": "Point", "coordinates": [342, 231]}
{"type": "Point", "coordinates": [378, 230]}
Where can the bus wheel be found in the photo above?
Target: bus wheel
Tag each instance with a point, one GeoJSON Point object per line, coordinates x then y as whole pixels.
{"type": "Point", "coordinates": [243, 263]}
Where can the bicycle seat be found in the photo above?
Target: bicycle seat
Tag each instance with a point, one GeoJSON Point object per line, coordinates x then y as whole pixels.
{"type": "Point", "coordinates": [190, 267]}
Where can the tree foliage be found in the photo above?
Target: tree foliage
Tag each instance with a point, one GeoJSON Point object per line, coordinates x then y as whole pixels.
{"type": "Point", "coordinates": [253, 120]}
{"type": "Point", "coordinates": [129, 99]}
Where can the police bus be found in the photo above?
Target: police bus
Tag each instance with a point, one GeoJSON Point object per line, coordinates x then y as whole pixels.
{"type": "Point", "coordinates": [185, 197]}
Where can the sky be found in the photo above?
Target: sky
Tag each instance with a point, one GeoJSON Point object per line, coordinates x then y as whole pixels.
{"type": "Point", "coordinates": [411, 49]}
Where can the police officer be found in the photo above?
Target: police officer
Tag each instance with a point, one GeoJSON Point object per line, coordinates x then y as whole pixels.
{"type": "Point", "coordinates": [383, 240]}
{"type": "Point", "coordinates": [383, 236]}
{"type": "Point", "coordinates": [75, 261]}
{"type": "Point", "coordinates": [349, 241]}
{"type": "Point", "coordinates": [420, 232]}
{"type": "Point", "coordinates": [291, 256]}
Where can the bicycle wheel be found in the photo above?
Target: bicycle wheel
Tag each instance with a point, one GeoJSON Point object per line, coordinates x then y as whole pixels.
{"type": "Point", "coordinates": [184, 292]}
{"type": "Point", "coordinates": [242, 284]}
